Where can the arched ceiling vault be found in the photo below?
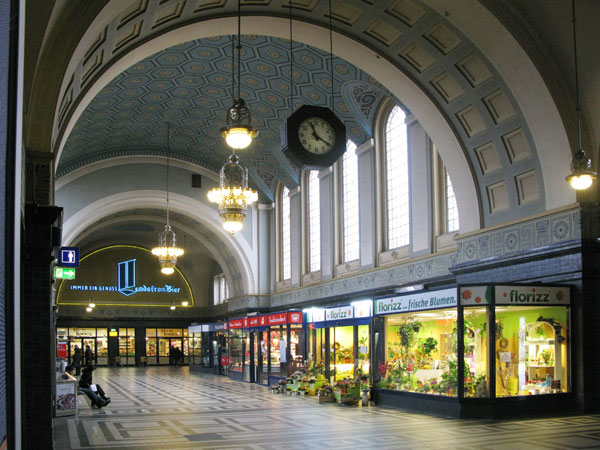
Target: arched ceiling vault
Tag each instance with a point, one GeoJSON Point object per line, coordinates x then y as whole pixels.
{"type": "Point", "coordinates": [486, 131]}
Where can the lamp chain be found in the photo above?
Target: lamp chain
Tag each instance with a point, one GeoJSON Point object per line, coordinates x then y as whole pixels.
{"type": "Point", "coordinates": [168, 154]}
{"type": "Point", "coordinates": [577, 105]}
{"type": "Point", "coordinates": [239, 48]}
{"type": "Point", "coordinates": [331, 56]}
{"type": "Point", "coordinates": [291, 64]}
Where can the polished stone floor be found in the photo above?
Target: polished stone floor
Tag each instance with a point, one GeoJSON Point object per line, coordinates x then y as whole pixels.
{"type": "Point", "coordinates": [171, 408]}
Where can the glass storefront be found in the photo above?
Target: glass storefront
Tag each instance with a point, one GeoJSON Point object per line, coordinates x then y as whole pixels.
{"type": "Point", "coordinates": [96, 338]}
{"type": "Point", "coordinates": [161, 341]}
{"type": "Point", "coordinates": [520, 334]}
{"type": "Point", "coordinates": [421, 352]}
{"type": "Point", "coordinates": [531, 355]}
{"type": "Point", "coordinates": [126, 347]}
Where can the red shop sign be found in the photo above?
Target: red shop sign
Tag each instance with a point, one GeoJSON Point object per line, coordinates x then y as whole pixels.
{"type": "Point", "coordinates": [295, 317]}
{"type": "Point", "coordinates": [61, 350]}
{"type": "Point", "coordinates": [246, 323]}
{"type": "Point", "coordinates": [224, 360]}
{"type": "Point", "coordinates": [262, 320]}
{"type": "Point", "coordinates": [237, 323]}
{"type": "Point", "coordinates": [277, 319]}
{"type": "Point", "coordinates": [253, 321]}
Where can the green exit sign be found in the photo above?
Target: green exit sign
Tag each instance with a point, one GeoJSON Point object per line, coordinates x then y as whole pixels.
{"type": "Point", "coordinates": [65, 273]}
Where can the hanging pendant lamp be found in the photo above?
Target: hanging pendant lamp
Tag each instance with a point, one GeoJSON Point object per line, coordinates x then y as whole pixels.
{"type": "Point", "coordinates": [167, 250]}
{"type": "Point", "coordinates": [238, 131]}
{"type": "Point", "coordinates": [581, 176]}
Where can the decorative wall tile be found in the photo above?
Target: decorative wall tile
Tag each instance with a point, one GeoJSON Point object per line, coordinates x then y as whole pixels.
{"type": "Point", "coordinates": [407, 11]}
{"type": "Point", "coordinates": [443, 38]}
{"type": "Point", "coordinates": [383, 32]}
{"type": "Point", "coordinates": [498, 197]}
{"type": "Point", "coordinates": [488, 158]}
{"type": "Point", "coordinates": [499, 106]}
{"type": "Point", "coordinates": [520, 237]}
{"type": "Point", "coordinates": [527, 187]}
{"type": "Point", "coordinates": [418, 57]}
{"type": "Point", "coordinates": [474, 70]}
{"type": "Point", "coordinates": [516, 145]}
{"type": "Point", "coordinates": [471, 120]}
{"type": "Point", "coordinates": [447, 86]}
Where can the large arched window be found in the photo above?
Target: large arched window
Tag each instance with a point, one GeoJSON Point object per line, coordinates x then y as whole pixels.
{"type": "Point", "coordinates": [314, 221]}
{"type": "Point", "coordinates": [221, 292]}
{"type": "Point", "coordinates": [351, 234]}
{"type": "Point", "coordinates": [451, 207]}
{"type": "Point", "coordinates": [286, 243]}
{"type": "Point", "coordinates": [397, 185]}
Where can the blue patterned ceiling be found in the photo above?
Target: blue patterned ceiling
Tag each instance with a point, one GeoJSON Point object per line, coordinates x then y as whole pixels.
{"type": "Point", "coordinates": [190, 85]}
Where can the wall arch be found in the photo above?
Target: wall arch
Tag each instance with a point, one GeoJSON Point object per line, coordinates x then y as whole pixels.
{"type": "Point", "coordinates": [236, 258]}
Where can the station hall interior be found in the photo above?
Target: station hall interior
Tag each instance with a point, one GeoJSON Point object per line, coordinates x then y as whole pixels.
{"type": "Point", "coordinates": [401, 215]}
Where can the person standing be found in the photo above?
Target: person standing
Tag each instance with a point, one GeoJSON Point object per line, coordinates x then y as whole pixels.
{"type": "Point", "coordinates": [172, 355]}
{"type": "Point", "coordinates": [89, 356]}
{"type": "Point", "coordinates": [77, 360]}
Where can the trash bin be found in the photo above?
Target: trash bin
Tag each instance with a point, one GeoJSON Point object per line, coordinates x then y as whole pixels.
{"type": "Point", "coordinates": [66, 397]}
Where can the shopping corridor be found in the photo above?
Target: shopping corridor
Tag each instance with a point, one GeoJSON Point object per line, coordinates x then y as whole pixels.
{"type": "Point", "coordinates": [171, 408]}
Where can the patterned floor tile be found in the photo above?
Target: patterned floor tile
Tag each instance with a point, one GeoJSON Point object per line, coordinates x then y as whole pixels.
{"type": "Point", "coordinates": [171, 408]}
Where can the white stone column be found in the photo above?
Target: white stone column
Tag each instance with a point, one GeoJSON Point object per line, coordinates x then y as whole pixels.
{"type": "Point", "coordinates": [327, 223]}
{"type": "Point", "coordinates": [296, 235]}
{"type": "Point", "coordinates": [366, 200]}
{"type": "Point", "coordinates": [420, 190]}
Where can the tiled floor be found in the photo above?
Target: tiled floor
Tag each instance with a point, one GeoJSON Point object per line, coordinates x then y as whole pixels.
{"type": "Point", "coordinates": [169, 408]}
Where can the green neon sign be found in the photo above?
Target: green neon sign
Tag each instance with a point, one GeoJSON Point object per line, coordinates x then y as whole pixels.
{"type": "Point", "coordinates": [64, 273]}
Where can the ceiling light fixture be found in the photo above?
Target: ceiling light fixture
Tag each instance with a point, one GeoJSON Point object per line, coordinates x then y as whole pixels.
{"type": "Point", "coordinates": [238, 132]}
{"type": "Point", "coordinates": [581, 176]}
{"type": "Point", "coordinates": [167, 250]}
{"type": "Point", "coordinates": [233, 194]}
{"type": "Point", "coordinates": [184, 303]}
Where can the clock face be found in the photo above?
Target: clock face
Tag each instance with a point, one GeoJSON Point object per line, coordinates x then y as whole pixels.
{"type": "Point", "coordinates": [316, 135]}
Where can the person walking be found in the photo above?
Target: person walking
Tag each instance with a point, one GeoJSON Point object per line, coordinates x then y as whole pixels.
{"type": "Point", "coordinates": [89, 356]}
{"type": "Point", "coordinates": [77, 360]}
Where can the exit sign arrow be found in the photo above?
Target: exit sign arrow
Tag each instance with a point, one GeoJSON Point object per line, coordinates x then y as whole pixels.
{"type": "Point", "coordinates": [64, 273]}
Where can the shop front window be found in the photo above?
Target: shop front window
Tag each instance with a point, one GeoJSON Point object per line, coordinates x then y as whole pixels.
{"type": "Point", "coordinates": [475, 347]}
{"type": "Point", "coordinates": [363, 349]}
{"type": "Point", "coordinates": [163, 347]}
{"type": "Point", "coordinates": [235, 350]}
{"type": "Point", "coordinates": [421, 352]}
{"type": "Point", "coordinates": [276, 336]}
{"type": "Point", "coordinates": [151, 349]}
{"type": "Point", "coordinates": [342, 352]}
{"type": "Point", "coordinates": [531, 350]}
{"type": "Point", "coordinates": [295, 348]}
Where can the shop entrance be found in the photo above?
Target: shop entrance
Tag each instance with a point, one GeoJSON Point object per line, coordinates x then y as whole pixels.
{"type": "Point", "coordinates": [82, 343]}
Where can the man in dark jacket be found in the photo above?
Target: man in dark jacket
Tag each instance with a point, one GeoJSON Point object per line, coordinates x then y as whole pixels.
{"type": "Point", "coordinates": [77, 360]}
{"type": "Point", "coordinates": [89, 356]}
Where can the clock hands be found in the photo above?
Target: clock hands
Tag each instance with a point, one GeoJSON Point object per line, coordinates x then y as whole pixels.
{"type": "Point", "coordinates": [316, 136]}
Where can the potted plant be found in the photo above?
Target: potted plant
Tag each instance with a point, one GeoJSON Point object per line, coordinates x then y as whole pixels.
{"type": "Point", "coordinates": [407, 331]}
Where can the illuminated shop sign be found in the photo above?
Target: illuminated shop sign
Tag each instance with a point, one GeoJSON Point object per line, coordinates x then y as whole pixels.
{"type": "Point", "coordinates": [236, 323]}
{"type": "Point", "coordinates": [253, 321]}
{"type": "Point", "coordinates": [315, 315]}
{"type": "Point", "coordinates": [295, 317]}
{"type": "Point", "coordinates": [344, 312]}
{"type": "Point", "coordinates": [277, 319]}
{"type": "Point", "coordinates": [533, 295]}
{"type": "Point", "coordinates": [124, 275]}
{"type": "Point", "coordinates": [126, 283]}
{"type": "Point", "coordinates": [443, 298]}
{"type": "Point", "coordinates": [475, 295]}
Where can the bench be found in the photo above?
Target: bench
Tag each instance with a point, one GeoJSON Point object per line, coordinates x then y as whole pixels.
{"type": "Point", "coordinates": [83, 401]}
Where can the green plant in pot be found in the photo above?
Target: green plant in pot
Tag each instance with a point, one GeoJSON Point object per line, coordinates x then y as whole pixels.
{"type": "Point", "coordinates": [407, 331]}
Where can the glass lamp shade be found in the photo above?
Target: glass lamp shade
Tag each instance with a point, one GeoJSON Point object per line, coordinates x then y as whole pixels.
{"type": "Point", "coordinates": [238, 132]}
{"type": "Point", "coordinates": [88, 309]}
{"type": "Point", "coordinates": [581, 177]}
{"type": "Point", "coordinates": [233, 194]}
{"type": "Point", "coordinates": [172, 307]}
{"type": "Point", "coordinates": [92, 305]}
{"type": "Point", "coordinates": [167, 250]}
{"type": "Point", "coordinates": [184, 303]}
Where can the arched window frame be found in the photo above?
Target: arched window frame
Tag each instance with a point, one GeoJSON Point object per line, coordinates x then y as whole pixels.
{"type": "Point", "coordinates": [385, 254]}
{"type": "Point", "coordinates": [444, 235]}
{"type": "Point", "coordinates": [220, 289]}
